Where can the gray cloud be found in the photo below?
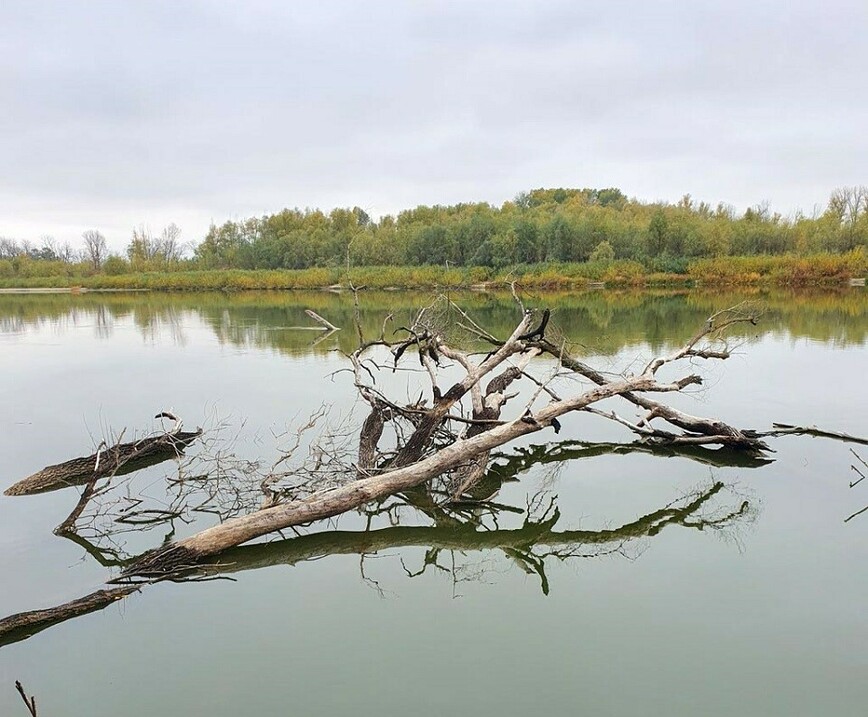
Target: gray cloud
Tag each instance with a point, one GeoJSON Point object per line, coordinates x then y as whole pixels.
{"type": "Point", "coordinates": [115, 114]}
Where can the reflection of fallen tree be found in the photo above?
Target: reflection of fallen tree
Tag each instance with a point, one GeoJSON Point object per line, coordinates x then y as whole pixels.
{"type": "Point", "coordinates": [99, 520]}
{"type": "Point", "coordinates": [119, 459]}
{"type": "Point", "coordinates": [525, 458]}
{"type": "Point", "coordinates": [451, 438]}
{"type": "Point", "coordinates": [522, 543]}
{"type": "Point", "coordinates": [434, 455]}
{"type": "Point", "coordinates": [529, 546]}
{"type": "Point", "coordinates": [856, 482]}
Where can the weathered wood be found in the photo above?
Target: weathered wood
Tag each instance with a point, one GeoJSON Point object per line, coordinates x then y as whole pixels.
{"type": "Point", "coordinates": [723, 433]}
{"type": "Point", "coordinates": [25, 624]}
{"type": "Point", "coordinates": [709, 431]}
{"type": "Point", "coordinates": [369, 438]}
{"type": "Point", "coordinates": [463, 537]}
{"type": "Point", "coordinates": [326, 325]}
{"type": "Point", "coordinates": [786, 429]}
{"type": "Point", "coordinates": [415, 446]}
{"type": "Point", "coordinates": [119, 459]}
{"type": "Point", "coordinates": [328, 503]}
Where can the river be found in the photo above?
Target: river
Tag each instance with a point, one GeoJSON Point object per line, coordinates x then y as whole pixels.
{"type": "Point", "coordinates": [642, 583]}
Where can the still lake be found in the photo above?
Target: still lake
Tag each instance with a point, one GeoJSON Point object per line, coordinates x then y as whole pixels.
{"type": "Point", "coordinates": [751, 603]}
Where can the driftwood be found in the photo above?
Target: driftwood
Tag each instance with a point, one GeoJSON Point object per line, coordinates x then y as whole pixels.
{"type": "Point", "coordinates": [528, 546]}
{"type": "Point", "coordinates": [437, 454]}
{"type": "Point", "coordinates": [29, 701]}
{"type": "Point", "coordinates": [25, 624]}
{"type": "Point", "coordinates": [786, 429]}
{"type": "Point", "coordinates": [431, 449]}
{"type": "Point", "coordinates": [119, 459]}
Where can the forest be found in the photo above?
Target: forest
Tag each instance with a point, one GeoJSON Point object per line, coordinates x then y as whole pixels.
{"type": "Point", "coordinates": [539, 228]}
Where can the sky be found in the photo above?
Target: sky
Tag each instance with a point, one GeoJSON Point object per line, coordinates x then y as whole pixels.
{"type": "Point", "coordinates": [120, 114]}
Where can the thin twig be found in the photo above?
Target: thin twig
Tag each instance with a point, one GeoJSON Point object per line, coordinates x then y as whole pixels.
{"type": "Point", "coordinates": [30, 702]}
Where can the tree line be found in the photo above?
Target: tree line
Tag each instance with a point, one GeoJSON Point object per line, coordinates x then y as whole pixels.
{"type": "Point", "coordinates": [538, 226]}
{"type": "Point", "coordinates": [145, 252]}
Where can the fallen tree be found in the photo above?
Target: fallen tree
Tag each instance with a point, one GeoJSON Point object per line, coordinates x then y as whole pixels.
{"type": "Point", "coordinates": [440, 456]}
{"type": "Point", "coordinates": [22, 625]}
{"type": "Point", "coordinates": [118, 459]}
{"type": "Point", "coordinates": [456, 529]}
{"type": "Point", "coordinates": [425, 444]}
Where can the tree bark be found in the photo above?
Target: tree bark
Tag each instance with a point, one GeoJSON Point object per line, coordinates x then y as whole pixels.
{"type": "Point", "coordinates": [116, 460]}
{"type": "Point", "coordinates": [26, 624]}
{"type": "Point", "coordinates": [464, 537]}
{"type": "Point", "coordinates": [326, 504]}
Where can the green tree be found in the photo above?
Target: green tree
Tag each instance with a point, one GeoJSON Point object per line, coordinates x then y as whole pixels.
{"type": "Point", "coordinates": [603, 253]}
{"type": "Point", "coordinates": [657, 230]}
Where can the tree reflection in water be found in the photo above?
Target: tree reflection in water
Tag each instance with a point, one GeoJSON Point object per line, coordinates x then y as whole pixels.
{"type": "Point", "coordinates": [465, 540]}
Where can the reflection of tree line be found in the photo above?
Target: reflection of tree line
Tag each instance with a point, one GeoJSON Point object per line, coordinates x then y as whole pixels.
{"type": "Point", "coordinates": [604, 322]}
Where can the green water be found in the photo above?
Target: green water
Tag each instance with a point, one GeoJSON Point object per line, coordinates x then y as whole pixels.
{"type": "Point", "coordinates": [633, 601]}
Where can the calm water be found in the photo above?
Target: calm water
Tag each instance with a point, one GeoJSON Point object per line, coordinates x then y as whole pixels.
{"type": "Point", "coordinates": [750, 603]}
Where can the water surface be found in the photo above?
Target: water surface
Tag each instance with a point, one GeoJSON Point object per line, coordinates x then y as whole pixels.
{"type": "Point", "coordinates": [622, 608]}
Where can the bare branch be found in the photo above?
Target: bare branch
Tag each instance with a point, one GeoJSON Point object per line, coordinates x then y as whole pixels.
{"type": "Point", "coordinates": [29, 702]}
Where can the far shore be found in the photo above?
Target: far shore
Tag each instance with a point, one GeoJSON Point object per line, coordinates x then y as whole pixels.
{"type": "Point", "coordinates": [827, 270]}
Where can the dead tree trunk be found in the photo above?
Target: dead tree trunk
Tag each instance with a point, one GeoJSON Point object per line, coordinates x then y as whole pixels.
{"type": "Point", "coordinates": [530, 544]}
{"type": "Point", "coordinates": [26, 624]}
{"type": "Point", "coordinates": [467, 537]}
{"type": "Point", "coordinates": [115, 460]}
{"type": "Point", "coordinates": [421, 457]}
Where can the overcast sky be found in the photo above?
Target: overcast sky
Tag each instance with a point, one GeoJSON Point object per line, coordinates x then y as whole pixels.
{"type": "Point", "coordinates": [115, 114]}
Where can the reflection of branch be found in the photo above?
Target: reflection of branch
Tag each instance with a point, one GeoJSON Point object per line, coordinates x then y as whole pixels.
{"type": "Point", "coordinates": [107, 557]}
{"type": "Point", "coordinates": [524, 458]}
{"type": "Point", "coordinates": [325, 335]}
{"type": "Point", "coordinates": [785, 429]}
{"type": "Point", "coordinates": [853, 484]}
{"type": "Point", "coordinates": [529, 545]}
{"type": "Point", "coordinates": [458, 536]}
{"type": "Point", "coordinates": [857, 482]}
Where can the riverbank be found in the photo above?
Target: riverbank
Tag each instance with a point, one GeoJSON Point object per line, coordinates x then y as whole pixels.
{"type": "Point", "coordinates": [808, 270]}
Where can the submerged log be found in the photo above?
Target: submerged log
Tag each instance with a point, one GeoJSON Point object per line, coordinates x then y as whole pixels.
{"type": "Point", "coordinates": [117, 460]}
{"type": "Point", "coordinates": [26, 624]}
